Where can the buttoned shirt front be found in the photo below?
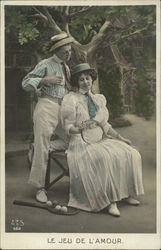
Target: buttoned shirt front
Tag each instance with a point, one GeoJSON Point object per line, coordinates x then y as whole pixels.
{"type": "Point", "coordinates": [47, 67]}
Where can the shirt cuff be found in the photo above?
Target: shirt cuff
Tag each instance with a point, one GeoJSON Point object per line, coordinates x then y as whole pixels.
{"type": "Point", "coordinates": [32, 84]}
{"type": "Point", "coordinates": [68, 127]}
{"type": "Point", "coordinates": [106, 127]}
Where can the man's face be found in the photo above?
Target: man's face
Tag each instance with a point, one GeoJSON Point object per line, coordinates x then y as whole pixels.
{"type": "Point", "coordinates": [64, 53]}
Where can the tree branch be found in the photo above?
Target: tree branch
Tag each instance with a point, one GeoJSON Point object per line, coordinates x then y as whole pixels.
{"type": "Point", "coordinates": [40, 14]}
{"type": "Point", "coordinates": [120, 60]}
{"type": "Point", "coordinates": [66, 11]}
{"type": "Point", "coordinates": [52, 22]}
{"type": "Point", "coordinates": [84, 9]}
{"type": "Point", "coordinates": [66, 19]}
{"type": "Point", "coordinates": [134, 33]}
{"type": "Point", "coordinates": [126, 36]}
{"type": "Point", "coordinates": [98, 38]}
{"type": "Point", "coordinates": [56, 28]}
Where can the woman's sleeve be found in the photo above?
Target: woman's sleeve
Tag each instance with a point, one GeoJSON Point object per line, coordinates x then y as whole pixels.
{"type": "Point", "coordinates": [68, 112]}
{"type": "Point", "coordinates": [103, 114]}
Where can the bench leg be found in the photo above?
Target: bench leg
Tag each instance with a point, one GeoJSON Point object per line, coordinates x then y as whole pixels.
{"type": "Point", "coordinates": [56, 179]}
{"type": "Point", "coordinates": [63, 173]}
{"type": "Point", "coordinates": [47, 178]}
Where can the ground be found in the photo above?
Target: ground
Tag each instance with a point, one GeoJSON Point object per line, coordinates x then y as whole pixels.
{"type": "Point", "coordinates": [141, 219]}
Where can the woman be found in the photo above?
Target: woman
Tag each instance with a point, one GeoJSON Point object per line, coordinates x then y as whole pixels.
{"type": "Point", "coordinates": [104, 172]}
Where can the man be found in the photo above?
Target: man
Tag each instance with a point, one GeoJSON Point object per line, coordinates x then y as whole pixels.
{"type": "Point", "coordinates": [50, 80]}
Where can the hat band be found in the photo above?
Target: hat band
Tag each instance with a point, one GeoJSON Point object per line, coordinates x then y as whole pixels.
{"type": "Point", "coordinates": [80, 68]}
{"type": "Point", "coordinates": [61, 43]}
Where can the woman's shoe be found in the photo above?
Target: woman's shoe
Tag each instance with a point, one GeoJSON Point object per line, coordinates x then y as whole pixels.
{"type": "Point", "coordinates": [41, 195]}
{"type": "Point", "coordinates": [113, 210]}
{"type": "Point", "coordinates": [132, 201]}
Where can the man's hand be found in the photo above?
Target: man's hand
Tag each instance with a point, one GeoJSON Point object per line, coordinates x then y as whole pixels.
{"type": "Point", "coordinates": [51, 80]}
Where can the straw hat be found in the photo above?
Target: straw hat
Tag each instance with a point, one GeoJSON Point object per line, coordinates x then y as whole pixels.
{"type": "Point", "coordinates": [60, 40]}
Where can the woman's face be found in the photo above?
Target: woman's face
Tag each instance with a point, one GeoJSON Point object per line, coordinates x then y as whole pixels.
{"type": "Point", "coordinates": [85, 82]}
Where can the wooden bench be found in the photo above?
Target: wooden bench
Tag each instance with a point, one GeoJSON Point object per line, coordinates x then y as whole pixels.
{"type": "Point", "coordinates": [55, 157]}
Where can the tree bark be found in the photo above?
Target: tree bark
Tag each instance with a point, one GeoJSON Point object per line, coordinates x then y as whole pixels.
{"type": "Point", "coordinates": [52, 22]}
{"type": "Point", "coordinates": [92, 62]}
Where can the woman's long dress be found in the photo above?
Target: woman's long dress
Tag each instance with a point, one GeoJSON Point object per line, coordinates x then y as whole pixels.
{"type": "Point", "coordinates": [100, 173]}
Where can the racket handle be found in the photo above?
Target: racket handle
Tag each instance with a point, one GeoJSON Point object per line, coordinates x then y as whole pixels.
{"type": "Point", "coordinates": [26, 203]}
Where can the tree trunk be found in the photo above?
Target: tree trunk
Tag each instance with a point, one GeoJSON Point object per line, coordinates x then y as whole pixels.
{"type": "Point", "coordinates": [92, 62]}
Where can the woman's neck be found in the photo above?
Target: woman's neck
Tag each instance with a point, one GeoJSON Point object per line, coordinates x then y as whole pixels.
{"type": "Point", "coordinates": [83, 91]}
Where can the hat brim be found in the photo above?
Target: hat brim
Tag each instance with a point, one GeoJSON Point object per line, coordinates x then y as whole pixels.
{"type": "Point", "coordinates": [91, 71]}
{"type": "Point", "coordinates": [62, 43]}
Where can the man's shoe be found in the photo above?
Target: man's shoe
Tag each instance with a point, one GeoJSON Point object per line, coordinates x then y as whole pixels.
{"type": "Point", "coordinates": [41, 195]}
{"type": "Point", "coordinates": [113, 210]}
{"type": "Point", "coordinates": [132, 201]}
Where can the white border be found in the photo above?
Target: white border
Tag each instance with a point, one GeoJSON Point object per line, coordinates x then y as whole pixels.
{"type": "Point", "coordinates": [39, 240]}
{"type": "Point", "coordinates": [81, 2]}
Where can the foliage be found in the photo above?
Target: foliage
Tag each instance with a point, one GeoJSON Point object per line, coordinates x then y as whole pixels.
{"type": "Point", "coordinates": [129, 27]}
{"type": "Point", "coordinates": [144, 101]}
{"type": "Point", "coordinates": [26, 29]}
{"type": "Point", "coordinates": [125, 20]}
{"type": "Point", "coordinates": [109, 86]}
{"type": "Point", "coordinates": [27, 32]}
{"type": "Point", "coordinates": [84, 25]}
{"type": "Point", "coordinates": [89, 25]}
{"type": "Point", "coordinates": [142, 52]}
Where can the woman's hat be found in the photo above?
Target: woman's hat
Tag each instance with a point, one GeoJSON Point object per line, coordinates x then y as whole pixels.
{"type": "Point", "coordinates": [82, 68]}
{"type": "Point", "coordinates": [60, 40]}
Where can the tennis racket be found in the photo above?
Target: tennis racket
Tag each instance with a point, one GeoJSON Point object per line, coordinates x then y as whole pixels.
{"type": "Point", "coordinates": [91, 131]}
{"type": "Point", "coordinates": [51, 209]}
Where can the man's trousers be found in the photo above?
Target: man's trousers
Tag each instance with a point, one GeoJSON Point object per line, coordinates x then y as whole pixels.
{"type": "Point", "coordinates": [46, 120]}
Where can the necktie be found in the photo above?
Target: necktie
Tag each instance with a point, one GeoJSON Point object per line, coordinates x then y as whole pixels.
{"type": "Point", "coordinates": [92, 107]}
{"type": "Point", "coordinates": [67, 76]}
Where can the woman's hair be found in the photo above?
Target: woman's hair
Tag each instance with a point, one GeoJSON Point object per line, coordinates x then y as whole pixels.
{"type": "Point", "coordinates": [75, 78]}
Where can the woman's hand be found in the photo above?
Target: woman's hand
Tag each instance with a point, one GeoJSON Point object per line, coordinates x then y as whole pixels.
{"type": "Point", "coordinates": [88, 124]}
{"type": "Point", "coordinates": [124, 140]}
{"type": "Point", "coordinates": [116, 135]}
{"type": "Point", "coordinates": [74, 130]}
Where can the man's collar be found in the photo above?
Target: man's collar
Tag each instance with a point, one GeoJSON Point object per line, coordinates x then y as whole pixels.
{"type": "Point", "coordinates": [57, 59]}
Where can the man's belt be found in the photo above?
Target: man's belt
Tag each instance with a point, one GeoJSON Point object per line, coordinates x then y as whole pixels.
{"type": "Point", "coordinates": [52, 98]}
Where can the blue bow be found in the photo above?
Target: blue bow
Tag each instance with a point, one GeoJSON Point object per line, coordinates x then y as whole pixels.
{"type": "Point", "coordinates": [92, 107]}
